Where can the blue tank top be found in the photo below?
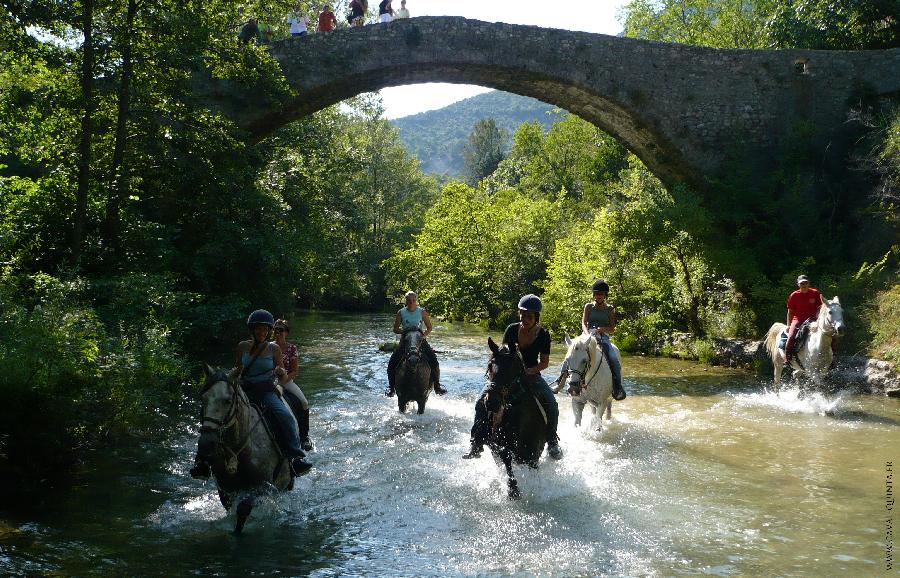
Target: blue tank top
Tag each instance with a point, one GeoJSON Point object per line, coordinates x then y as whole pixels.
{"type": "Point", "coordinates": [262, 370]}
{"type": "Point", "coordinates": [410, 319]}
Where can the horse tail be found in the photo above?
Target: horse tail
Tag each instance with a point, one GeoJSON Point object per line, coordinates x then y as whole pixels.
{"type": "Point", "coordinates": [772, 339]}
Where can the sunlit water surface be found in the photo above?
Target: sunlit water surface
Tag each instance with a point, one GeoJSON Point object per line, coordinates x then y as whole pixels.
{"type": "Point", "coordinates": [701, 471]}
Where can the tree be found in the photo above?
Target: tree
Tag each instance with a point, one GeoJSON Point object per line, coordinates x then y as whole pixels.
{"type": "Point", "coordinates": [485, 149]}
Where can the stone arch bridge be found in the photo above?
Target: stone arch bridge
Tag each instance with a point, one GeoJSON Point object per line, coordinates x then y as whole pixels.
{"type": "Point", "coordinates": [687, 112]}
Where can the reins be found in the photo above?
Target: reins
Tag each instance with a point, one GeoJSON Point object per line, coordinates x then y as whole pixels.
{"type": "Point", "coordinates": [582, 373]}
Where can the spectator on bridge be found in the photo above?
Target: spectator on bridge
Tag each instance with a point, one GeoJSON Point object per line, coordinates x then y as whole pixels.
{"type": "Point", "coordinates": [358, 9]}
{"type": "Point", "coordinates": [249, 31]}
{"type": "Point", "coordinates": [327, 20]}
{"type": "Point", "coordinates": [385, 12]}
{"type": "Point", "coordinates": [403, 12]}
{"type": "Point", "coordinates": [299, 23]}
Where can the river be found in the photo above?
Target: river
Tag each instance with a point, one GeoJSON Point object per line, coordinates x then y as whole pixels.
{"type": "Point", "coordinates": [702, 471]}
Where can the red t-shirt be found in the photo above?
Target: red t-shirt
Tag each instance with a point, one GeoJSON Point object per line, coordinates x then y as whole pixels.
{"type": "Point", "coordinates": [805, 305]}
{"type": "Point", "coordinates": [327, 22]}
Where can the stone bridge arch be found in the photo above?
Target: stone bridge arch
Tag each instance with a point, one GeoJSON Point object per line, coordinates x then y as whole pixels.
{"type": "Point", "coordinates": [683, 110]}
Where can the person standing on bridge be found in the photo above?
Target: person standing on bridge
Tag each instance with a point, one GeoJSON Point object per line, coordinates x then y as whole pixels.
{"type": "Point", "coordinates": [298, 23]}
{"type": "Point", "coordinates": [327, 20]}
{"type": "Point", "coordinates": [358, 9]}
{"type": "Point", "coordinates": [385, 12]}
{"type": "Point", "coordinates": [403, 12]}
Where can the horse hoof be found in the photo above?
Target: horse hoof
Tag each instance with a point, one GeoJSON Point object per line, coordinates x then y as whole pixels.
{"type": "Point", "coordinates": [514, 493]}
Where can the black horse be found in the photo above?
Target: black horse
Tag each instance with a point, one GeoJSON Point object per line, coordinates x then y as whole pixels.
{"type": "Point", "coordinates": [517, 427]}
{"type": "Point", "coordinates": [413, 373]}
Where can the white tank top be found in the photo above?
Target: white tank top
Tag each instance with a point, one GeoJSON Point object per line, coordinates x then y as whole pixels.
{"type": "Point", "coordinates": [410, 319]}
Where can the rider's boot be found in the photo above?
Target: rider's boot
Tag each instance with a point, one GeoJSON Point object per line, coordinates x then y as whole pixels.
{"type": "Point", "coordinates": [553, 448]}
{"type": "Point", "coordinates": [300, 466]}
{"type": "Point", "coordinates": [303, 423]}
{"type": "Point", "coordinates": [618, 392]}
{"type": "Point", "coordinates": [438, 388]}
{"type": "Point", "coordinates": [390, 389]}
{"type": "Point", "coordinates": [200, 470]}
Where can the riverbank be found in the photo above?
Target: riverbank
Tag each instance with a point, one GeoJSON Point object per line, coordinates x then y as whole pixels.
{"type": "Point", "coordinates": [865, 374]}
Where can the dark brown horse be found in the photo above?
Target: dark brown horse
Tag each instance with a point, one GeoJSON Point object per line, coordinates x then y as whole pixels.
{"type": "Point", "coordinates": [413, 373]}
{"type": "Point", "coordinates": [518, 431]}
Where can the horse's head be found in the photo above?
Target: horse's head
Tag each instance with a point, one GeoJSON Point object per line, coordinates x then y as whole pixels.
{"type": "Point", "coordinates": [219, 411]}
{"type": "Point", "coordinates": [834, 317]}
{"type": "Point", "coordinates": [505, 368]}
{"type": "Point", "coordinates": [412, 339]}
{"type": "Point", "coordinates": [580, 357]}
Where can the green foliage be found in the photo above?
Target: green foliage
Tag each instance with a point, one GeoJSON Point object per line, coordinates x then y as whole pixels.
{"type": "Point", "coordinates": [66, 381]}
{"type": "Point", "coordinates": [885, 325]}
{"type": "Point", "coordinates": [704, 351]}
{"type": "Point", "coordinates": [485, 149]}
{"type": "Point", "coordinates": [476, 254]}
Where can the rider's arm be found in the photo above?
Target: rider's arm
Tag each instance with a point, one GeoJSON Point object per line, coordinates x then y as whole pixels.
{"type": "Point", "coordinates": [543, 363]}
{"type": "Point", "coordinates": [790, 315]}
{"type": "Point", "coordinates": [612, 321]}
{"type": "Point", "coordinates": [280, 373]}
{"type": "Point", "coordinates": [397, 323]}
{"type": "Point", "coordinates": [238, 365]}
{"type": "Point", "coordinates": [293, 369]}
{"type": "Point", "coordinates": [584, 318]}
{"type": "Point", "coordinates": [426, 318]}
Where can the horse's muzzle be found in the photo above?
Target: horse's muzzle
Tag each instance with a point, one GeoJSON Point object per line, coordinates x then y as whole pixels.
{"type": "Point", "coordinates": [574, 388]}
{"type": "Point", "coordinates": [839, 329]}
{"type": "Point", "coordinates": [206, 446]}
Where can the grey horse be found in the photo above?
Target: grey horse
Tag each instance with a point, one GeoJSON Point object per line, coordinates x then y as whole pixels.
{"type": "Point", "coordinates": [239, 446]}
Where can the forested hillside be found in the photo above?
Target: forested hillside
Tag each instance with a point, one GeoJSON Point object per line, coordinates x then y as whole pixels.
{"type": "Point", "coordinates": [437, 137]}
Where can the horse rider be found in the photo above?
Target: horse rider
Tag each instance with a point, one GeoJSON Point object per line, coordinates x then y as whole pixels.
{"type": "Point", "coordinates": [802, 305]}
{"type": "Point", "coordinates": [291, 392]}
{"type": "Point", "coordinates": [413, 316]}
{"type": "Point", "coordinates": [258, 362]}
{"type": "Point", "coordinates": [599, 319]}
{"type": "Point", "coordinates": [533, 342]}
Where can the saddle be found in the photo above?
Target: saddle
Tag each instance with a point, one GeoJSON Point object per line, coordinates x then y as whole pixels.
{"type": "Point", "coordinates": [799, 339]}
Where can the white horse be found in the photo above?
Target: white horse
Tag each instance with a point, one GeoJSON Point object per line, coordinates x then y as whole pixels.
{"type": "Point", "coordinates": [814, 356]}
{"type": "Point", "coordinates": [590, 379]}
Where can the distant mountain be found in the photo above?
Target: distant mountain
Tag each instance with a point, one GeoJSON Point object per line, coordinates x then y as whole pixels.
{"type": "Point", "coordinates": [437, 137]}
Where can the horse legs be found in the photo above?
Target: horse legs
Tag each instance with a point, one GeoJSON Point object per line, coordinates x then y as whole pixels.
{"type": "Point", "coordinates": [401, 403]}
{"type": "Point", "coordinates": [512, 486]}
{"type": "Point", "coordinates": [226, 499]}
{"type": "Point", "coordinates": [779, 367]}
{"type": "Point", "coordinates": [421, 404]}
{"type": "Point", "coordinates": [608, 410]}
{"type": "Point", "coordinates": [578, 410]}
{"type": "Point", "coordinates": [243, 512]}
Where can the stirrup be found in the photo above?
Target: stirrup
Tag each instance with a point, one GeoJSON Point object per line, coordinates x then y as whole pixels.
{"type": "Point", "coordinates": [306, 444]}
{"type": "Point", "coordinates": [439, 389]}
{"type": "Point", "coordinates": [554, 451]}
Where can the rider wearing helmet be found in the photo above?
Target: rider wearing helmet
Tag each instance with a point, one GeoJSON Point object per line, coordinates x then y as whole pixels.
{"type": "Point", "coordinates": [802, 304]}
{"type": "Point", "coordinates": [258, 362]}
{"type": "Point", "coordinates": [599, 319]}
{"type": "Point", "coordinates": [413, 316]}
{"type": "Point", "coordinates": [533, 342]}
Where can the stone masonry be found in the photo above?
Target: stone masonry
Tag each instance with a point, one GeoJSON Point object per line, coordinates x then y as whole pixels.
{"type": "Point", "coordinates": [686, 111]}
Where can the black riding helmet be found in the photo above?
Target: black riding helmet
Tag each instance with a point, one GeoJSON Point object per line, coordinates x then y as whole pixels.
{"type": "Point", "coordinates": [530, 302]}
{"type": "Point", "coordinates": [260, 317]}
{"type": "Point", "coordinates": [600, 286]}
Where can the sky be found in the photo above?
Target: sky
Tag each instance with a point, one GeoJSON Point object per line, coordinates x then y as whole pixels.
{"type": "Point", "coordinates": [581, 15]}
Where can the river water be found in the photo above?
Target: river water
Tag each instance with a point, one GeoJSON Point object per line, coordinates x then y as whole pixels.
{"type": "Point", "coordinates": [701, 472]}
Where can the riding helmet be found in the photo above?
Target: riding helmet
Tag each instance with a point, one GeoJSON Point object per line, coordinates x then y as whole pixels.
{"type": "Point", "coordinates": [530, 302]}
{"type": "Point", "coordinates": [600, 286]}
{"type": "Point", "coordinates": [260, 317]}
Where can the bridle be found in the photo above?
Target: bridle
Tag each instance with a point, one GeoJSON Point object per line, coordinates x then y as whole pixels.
{"type": "Point", "coordinates": [222, 426]}
{"type": "Point", "coordinates": [587, 365]}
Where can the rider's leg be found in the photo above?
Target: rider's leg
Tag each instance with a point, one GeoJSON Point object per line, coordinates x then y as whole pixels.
{"type": "Point", "coordinates": [435, 368]}
{"type": "Point", "coordinates": [285, 430]}
{"type": "Point", "coordinates": [792, 331]}
{"type": "Point", "coordinates": [392, 367]}
{"type": "Point", "coordinates": [293, 395]}
{"type": "Point", "coordinates": [615, 366]}
{"type": "Point", "coordinates": [479, 428]}
{"type": "Point", "coordinates": [542, 388]}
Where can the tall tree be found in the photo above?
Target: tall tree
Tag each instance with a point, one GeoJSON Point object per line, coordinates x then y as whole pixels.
{"type": "Point", "coordinates": [485, 149]}
{"type": "Point", "coordinates": [84, 146]}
